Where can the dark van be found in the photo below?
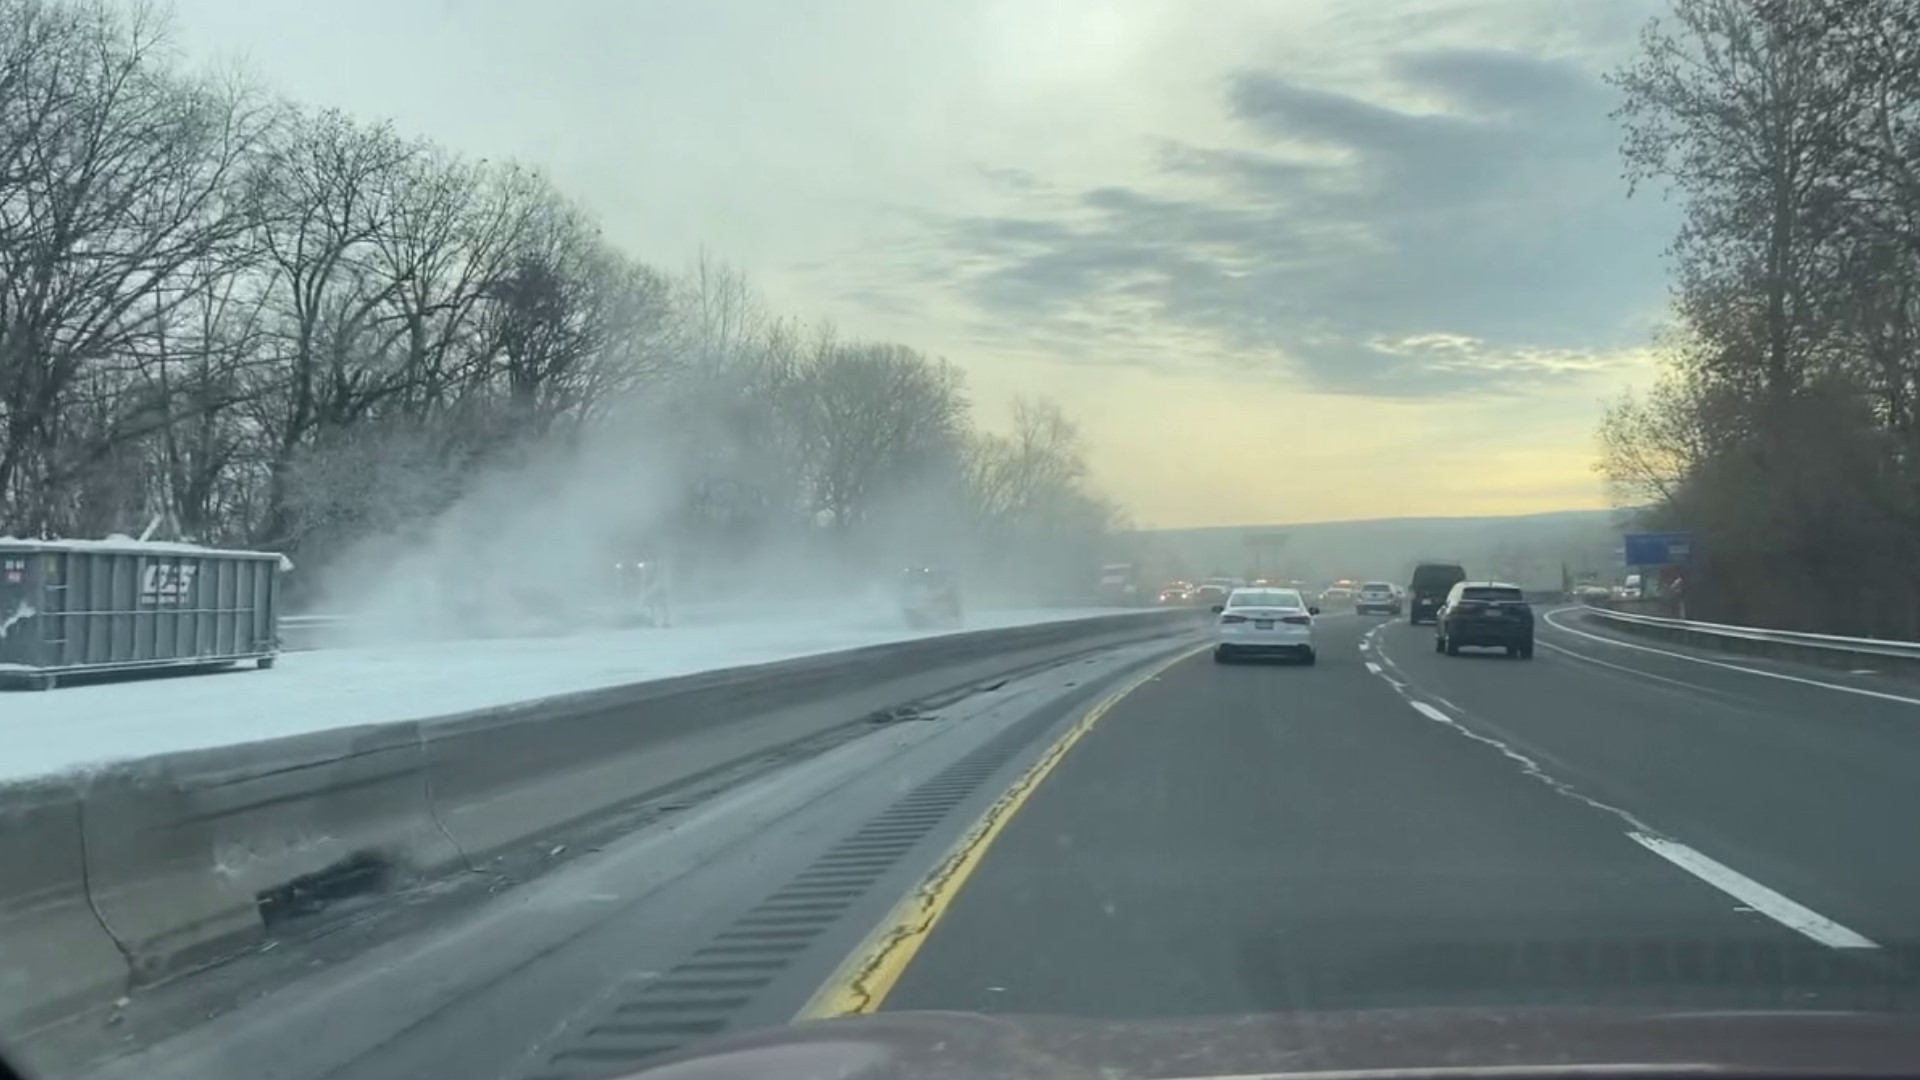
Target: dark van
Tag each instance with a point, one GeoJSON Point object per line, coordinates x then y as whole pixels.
{"type": "Point", "coordinates": [1428, 589]}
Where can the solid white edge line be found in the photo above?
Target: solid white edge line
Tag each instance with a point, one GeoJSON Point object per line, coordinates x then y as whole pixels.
{"type": "Point", "coordinates": [1633, 671]}
{"type": "Point", "coordinates": [1792, 915]}
{"type": "Point", "coordinates": [1549, 617]}
{"type": "Point", "coordinates": [1781, 909]}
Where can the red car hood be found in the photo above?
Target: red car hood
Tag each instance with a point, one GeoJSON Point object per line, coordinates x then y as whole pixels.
{"type": "Point", "coordinates": [1388, 1044]}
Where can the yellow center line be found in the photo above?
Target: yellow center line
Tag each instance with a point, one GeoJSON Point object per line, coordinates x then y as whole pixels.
{"type": "Point", "coordinates": [862, 982]}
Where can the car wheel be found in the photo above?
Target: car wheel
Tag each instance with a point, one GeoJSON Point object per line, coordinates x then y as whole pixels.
{"type": "Point", "coordinates": [1452, 649]}
{"type": "Point", "coordinates": [1526, 651]}
{"type": "Point", "coordinates": [1309, 658]}
{"type": "Point", "coordinates": [1219, 656]}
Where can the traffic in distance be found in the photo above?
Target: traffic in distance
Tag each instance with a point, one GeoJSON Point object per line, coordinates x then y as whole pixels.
{"type": "Point", "coordinates": [1269, 619]}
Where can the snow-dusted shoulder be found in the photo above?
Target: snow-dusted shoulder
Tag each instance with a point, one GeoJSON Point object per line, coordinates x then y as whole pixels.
{"type": "Point", "coordinates": [82, 726]}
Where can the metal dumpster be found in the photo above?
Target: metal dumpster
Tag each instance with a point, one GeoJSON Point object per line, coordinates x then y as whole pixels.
{"type": "Point", "coordinates": [71, 607]}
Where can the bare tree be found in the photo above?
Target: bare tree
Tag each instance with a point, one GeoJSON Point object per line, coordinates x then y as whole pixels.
{"type": "Point", "coordinates": [453, 233]}
{"type": "Point", "coordinates": [880, 418]}
{"type": "Point", "coordinates": [1017, 476]}
{"type": "Point", "coordinates": [117, 200]}
{"type": "Point", "coordinates": [1030, 507]}
{"type": "Point", "coordinates": [571, 321]}
{"type": "Point", "coordinates": [199, 382]}
{"type": "Point", "coordinates": [321, 196]}
{"type": "Point", "coordinates": [1737, 103]}
{"type": "Point", "coordinates": [1784, 431]}
{"type": "Point", "coordinates": [732, 414]}
{"type": "Point", "coordinates": [290, 327]}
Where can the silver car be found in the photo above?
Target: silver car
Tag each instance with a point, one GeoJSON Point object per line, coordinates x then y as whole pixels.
{"type": "Point", "coordinates": [1377, 598]}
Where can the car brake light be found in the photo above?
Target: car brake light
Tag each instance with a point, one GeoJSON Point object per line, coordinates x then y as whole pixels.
{"type": "Point", "coordinates": [1233, 618]}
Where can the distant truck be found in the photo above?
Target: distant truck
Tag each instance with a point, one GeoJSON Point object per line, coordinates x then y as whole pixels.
{"type": "Point", "coordinates": [1427, 592]}
{"type": "Point", "coordinates": [1120, 585]}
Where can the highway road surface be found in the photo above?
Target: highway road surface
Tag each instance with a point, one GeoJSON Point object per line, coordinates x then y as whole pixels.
{"type": "Point", "coordinates": [1606, 824]}
{"type": "Point", "coordinates": [1144, 833]}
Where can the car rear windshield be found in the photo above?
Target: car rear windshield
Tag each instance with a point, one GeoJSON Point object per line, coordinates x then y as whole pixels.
{"type": "Point", "coordinates": [1490, 592]}
{"type": "Point", "coordinates": [1277, 598]}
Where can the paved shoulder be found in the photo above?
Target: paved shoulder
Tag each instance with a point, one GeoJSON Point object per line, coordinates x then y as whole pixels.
{"type": "Point", "coordinates": [1253, 838]}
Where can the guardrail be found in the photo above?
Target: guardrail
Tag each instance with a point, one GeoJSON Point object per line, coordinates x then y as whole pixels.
{"type": "Point", "coordinates": [304, 633]}
{"type": "Point", "coordinates": [154, 867]}
{"type": "Point", "coordinates": [1828, 649]}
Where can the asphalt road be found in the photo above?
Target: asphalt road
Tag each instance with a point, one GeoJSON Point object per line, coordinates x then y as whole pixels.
{"type": "Point", "coordinates": [1601, 825]}
{"type": "Point", "coordinates": [1614, 822]}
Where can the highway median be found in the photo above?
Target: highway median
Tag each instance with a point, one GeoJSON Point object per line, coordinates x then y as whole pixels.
{"type": "Point", "coordinates": [147, 869]}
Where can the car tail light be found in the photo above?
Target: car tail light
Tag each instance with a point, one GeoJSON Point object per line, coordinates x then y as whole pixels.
{"type": "Point", "coordinates": [1298, 620]}
{"type": "Point", "coordinates": [1233, 619]}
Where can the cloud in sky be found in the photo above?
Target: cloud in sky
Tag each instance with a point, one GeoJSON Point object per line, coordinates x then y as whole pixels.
{"type": "Point", "coordinates": [1478, 243]}
{"type": "Point", "coordinates": [1294, 211]}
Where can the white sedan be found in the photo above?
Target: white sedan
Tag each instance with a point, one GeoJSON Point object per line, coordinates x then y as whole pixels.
{"type": "Point", "coordinates": [1264, 622]}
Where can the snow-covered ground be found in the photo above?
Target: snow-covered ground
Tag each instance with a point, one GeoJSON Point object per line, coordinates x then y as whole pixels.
{"type": "Point", "coordinates": [76, 727]}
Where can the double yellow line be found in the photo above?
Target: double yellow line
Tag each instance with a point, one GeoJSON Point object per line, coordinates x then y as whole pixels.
{"type": "Point", "coordinates": [862, 982]}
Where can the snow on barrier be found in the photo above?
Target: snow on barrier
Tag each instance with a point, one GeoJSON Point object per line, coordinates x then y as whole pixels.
{"type": "Point", "coordinates": [195, 855]}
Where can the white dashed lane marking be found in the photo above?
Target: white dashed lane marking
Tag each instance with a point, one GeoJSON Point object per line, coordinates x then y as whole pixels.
{"type": "Point", "coordinates": [1756, 897]}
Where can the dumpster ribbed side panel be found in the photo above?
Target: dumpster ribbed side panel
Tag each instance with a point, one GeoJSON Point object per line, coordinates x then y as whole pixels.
{"type": "Point", "coordinates": [22, 610]}
{"type": "Point", "coordinates": [96, 608]}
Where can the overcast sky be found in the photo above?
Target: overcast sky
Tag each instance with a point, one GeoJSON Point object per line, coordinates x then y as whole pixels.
{"type": "Point", "coordinates": [1286, 260]}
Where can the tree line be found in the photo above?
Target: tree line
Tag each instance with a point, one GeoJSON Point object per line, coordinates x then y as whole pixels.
{"type": "Point", "coordinates": [290, 328]}
{"type": "Point", "coordinates": [1784, 430]}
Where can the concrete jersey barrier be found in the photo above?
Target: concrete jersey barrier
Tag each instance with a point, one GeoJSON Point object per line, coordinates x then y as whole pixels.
{"type": "Point", "coordinates": [55, 955]}
{"type": "Point", "coordinates": [148, 869]}
{"type": "Point", "coordinates": [189, 855]}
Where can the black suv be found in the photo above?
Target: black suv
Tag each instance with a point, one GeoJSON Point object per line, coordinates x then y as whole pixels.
{"type": "Point", "coordinates": [1485, 613]}
{"type": "Point", "coordinates": [1428, 589]}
